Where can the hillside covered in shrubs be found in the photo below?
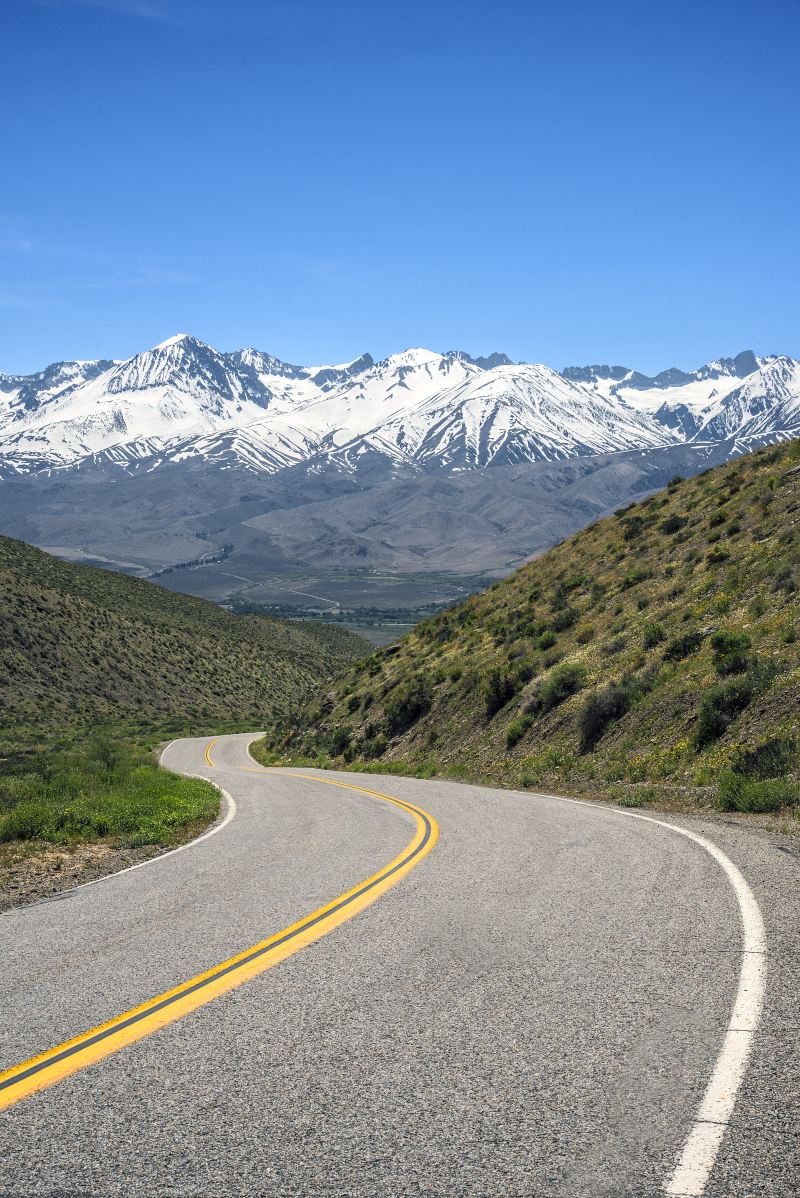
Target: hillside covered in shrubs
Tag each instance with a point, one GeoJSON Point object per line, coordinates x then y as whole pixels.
{"type": "Point", "coordinates": [653, 656]}
{"type": "Point", "coordinates": [79, 645]}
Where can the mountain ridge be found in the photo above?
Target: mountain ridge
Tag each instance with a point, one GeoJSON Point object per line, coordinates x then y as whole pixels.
{"type": "Point", "coordinates": [418, 408]}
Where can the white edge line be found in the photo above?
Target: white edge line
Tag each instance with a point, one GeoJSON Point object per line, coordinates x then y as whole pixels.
{"type": "Point", "coordinates": [701, 1147]}
{"type": "Point", "coordinates": [256, 736]}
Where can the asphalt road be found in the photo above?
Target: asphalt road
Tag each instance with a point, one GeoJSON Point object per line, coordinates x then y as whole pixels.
{"type": "Point", "coordinates": [535, 1008]}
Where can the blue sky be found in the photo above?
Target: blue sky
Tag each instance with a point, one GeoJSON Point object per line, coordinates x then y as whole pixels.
{"type": "Point", "coordinates": [569, 183]}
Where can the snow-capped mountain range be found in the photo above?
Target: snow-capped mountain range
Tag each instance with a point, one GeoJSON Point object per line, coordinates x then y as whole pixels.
{"type": "Point", "coordinates": [417, 409]}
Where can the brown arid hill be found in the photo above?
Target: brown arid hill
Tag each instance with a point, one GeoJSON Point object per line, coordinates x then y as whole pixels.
{"type": "Point", "coordinates": [651, 657]}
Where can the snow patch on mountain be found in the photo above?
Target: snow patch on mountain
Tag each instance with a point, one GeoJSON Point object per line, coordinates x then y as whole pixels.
{"type": "Point", "coordinates": [507, 415]}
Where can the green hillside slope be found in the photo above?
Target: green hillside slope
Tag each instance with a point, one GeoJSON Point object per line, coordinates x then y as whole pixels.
{"type": "Point", "coordinates": [82, 645]}
{"type": "Point", "coordinates": [653, 655]}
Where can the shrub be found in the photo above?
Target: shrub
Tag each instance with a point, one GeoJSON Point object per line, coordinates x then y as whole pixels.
{"type": "Point", "coordinates": [373, 746]}
{"type": "Point", "coordinates": [406, 703]}
{"type": "Point", "coordinates": [683, 646]}
{"type": "Point", "coordinates": [632, 527]}
{"type": "Point", "coordinates": [564, 619]}
{"type": "Point", "coordinates": [720, 707]}
{"type": "Point", "coordinates": [517, 729]}
{"type": "Point", "coordinates": [771, 759]}
{"type": "Point", "coordinates": [633, 578]}
{"type": "Point", "coordinates": [337, 741]}
{"type": "Point", "coordinates": [672, 524]}
{"type": "Point", "coordinates": [584, 633]}
{"type": "Point", "coordinates": [601, 709]}
{"type": "Point", "coordinates": [653, 635]}
{"type": "Point", "coordinates": [562, 682]}
{"type": "Point", "coordinates": [736, 793]}
{"type": "Point", "coordinates": [546, 640]}
{"type": "Point", "coordinates": [730, 652]}
{"type": "Point", "coordinates": [499, 688]}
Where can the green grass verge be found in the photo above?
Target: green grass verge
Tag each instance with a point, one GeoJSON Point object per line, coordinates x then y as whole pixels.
{"type": "Point", "coordinates": [103, 788]}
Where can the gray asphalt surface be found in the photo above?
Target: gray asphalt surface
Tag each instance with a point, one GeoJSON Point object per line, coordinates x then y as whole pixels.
{"type": "Point", "coordinates": [534, 1010]}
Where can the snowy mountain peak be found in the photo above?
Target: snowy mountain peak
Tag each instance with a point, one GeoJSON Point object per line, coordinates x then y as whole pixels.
{"type": "Point", "coordinates": [173, 340]}
{"type": "Point", "coordinates": [417, 408]}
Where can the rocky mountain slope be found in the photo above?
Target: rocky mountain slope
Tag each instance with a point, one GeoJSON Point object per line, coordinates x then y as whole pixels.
{"type": "Point", "coordinates": [650, 655]}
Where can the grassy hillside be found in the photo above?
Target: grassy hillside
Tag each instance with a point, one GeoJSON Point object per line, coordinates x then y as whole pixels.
{"type": "Point", "coordinates": [82, 645]}
{"type": "Point", "coordinates": [95, 669]}
{"type": "Point", "coordinates": [652, 655]}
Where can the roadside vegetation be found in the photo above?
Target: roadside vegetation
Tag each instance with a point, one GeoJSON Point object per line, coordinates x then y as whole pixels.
{"type": "Point", "coordinates": [96, 669]}
{"type": "Point", "coordinates": [102, 787]}
{"type": "Point", "coordinates": [652, 657]}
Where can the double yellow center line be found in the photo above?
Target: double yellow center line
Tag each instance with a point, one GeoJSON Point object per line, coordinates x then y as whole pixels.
{"type": "Point", "coordinates": [57, 1063]}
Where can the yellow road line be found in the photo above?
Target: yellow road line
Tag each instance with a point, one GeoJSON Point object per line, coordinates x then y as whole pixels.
{"type": "Point", "coordinates": [55, 1064]}
{"type": "Point", "coordinates": [209, 747]}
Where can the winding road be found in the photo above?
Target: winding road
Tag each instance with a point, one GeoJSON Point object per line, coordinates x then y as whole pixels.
{"type": "Point", "coordinates": [360, 985]}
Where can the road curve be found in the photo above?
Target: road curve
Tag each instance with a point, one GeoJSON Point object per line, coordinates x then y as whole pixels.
{"type": "Point", "coordinates": [534, 1007]}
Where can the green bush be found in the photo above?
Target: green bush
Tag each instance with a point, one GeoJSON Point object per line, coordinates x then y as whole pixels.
{"type": "Point", "coordinates": [546, 640]}
{"type": "Point", "coordinates": [559, 685]}
{"type": "Point", "coordinates": [373, 746]}
{"type": "Point", "coordinates": [632, 527]}
{"type": "Point", "coordinates": [683, 646]}
{"type": "Point", "coordinates": [337, 741]}
{"type": "Point", "coordinates": [406, 704]}
{"type": "Point", "coordinates": [612, 648]}
{"type": "Point", "coordinates": [716, 556]}
{"type": "Point", "coordinates": [720, 707]}
{"type": "Point", "coordinates": [601, 709]}
{"type": "Point", "coordinates": [517, 729]}
{"type": "Point", "coordinates": [736, 793]}
{"type": "Point", "coordinates": [771, 759]}
{"type": "Point", "coordinates": [499, 688]}
{"type": "Point", "coordinates": [564, 619]}
{"type": "Point", "coordinates": [653, 635]}
{"type": "Point", "coordinates": [672, 524]}
{"type": "Point", "coordinates": [730, 652]}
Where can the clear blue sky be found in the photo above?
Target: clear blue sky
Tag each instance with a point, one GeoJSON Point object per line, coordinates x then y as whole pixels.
{"type": "Point", "coordinates": [568, 181]}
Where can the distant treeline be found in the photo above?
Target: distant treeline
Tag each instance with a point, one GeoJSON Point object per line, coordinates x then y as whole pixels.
{"type": "Point", "coordinates": [342, 615]}
{"type": "Point", "coordinates": [204, 560]}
